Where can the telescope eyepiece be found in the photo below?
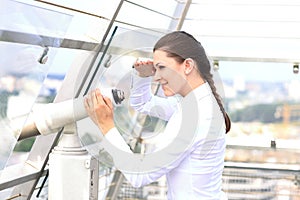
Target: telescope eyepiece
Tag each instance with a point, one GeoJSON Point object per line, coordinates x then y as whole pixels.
{"type": "Point", "coordinates": [118, 95]}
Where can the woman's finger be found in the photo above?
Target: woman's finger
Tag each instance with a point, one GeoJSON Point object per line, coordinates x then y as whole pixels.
{"type": "Point", "coordinates": [88, 100]}
{"type": "Point", "coordinates": [97, 98]}
{"type": "Point", "coordinates": [108, 102]}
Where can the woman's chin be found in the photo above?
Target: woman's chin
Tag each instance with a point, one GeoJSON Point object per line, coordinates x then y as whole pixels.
{"type": "Point", "coordinates": [168, 93]}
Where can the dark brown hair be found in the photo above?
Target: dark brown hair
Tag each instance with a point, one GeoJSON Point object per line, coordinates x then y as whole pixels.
{"type": "Point", "coordinates": [180, 46]}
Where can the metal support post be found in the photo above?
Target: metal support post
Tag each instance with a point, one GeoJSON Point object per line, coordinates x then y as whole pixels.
{"type": "Point", "coordinates": [73, 173]}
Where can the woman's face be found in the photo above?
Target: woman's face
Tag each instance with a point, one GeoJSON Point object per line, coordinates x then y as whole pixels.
{"type": "Point", "coordinates": [169, 73]}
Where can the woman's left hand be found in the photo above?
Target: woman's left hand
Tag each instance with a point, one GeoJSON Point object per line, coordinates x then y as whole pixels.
{"type": "Point", "coordinates": [100, 110]}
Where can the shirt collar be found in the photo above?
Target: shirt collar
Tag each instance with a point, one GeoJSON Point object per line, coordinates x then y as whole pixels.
{"type": "Point", "coordinates": [199, 92]}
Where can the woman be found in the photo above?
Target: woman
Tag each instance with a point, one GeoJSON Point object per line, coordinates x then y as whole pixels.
{"type": "Point", "coordinates": [181, 67]}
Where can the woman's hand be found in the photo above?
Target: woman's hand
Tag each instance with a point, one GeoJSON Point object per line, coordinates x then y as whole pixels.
{"type": "Point", "coordinates": [100, 110]}
{"type": "Point", "coordinates": [144, 68]}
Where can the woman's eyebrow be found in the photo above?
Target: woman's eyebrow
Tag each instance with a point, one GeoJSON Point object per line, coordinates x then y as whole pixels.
{"type": "Point", "coordinates": [157, 64]}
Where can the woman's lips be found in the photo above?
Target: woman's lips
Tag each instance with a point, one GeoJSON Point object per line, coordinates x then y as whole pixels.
{"type": "Point", "coordinates": [164, 83]}
{"type": "Point", "coordinates": [164, 86]}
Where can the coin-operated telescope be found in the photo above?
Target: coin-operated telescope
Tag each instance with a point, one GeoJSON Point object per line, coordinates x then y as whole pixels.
{"type": "Point", "coordinates": [50, 118]}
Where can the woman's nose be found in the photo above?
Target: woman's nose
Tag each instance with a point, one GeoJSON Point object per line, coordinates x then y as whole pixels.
{"type": "Point", "coordinates": [156, 76]}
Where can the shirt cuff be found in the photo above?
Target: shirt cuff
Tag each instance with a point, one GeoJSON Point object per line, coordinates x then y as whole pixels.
{"type": "Point", "coordinates": [115, 138]}
{"type": "Point", "coordinates": [138, 82]}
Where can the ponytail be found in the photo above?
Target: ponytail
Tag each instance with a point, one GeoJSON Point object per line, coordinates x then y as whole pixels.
{"type": "Point", "coordinates": [208, 78]}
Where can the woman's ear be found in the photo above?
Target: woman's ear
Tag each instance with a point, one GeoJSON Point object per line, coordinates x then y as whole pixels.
{"type": "Point", "coordinates": [188, 65]}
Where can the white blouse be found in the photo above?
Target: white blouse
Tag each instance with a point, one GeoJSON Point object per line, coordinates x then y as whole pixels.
{"type": "Point", "coordinates": [193, 160]}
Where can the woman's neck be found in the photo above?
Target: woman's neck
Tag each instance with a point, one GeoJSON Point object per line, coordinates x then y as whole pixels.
{"type": "Point", "coordinates": [192, 83]}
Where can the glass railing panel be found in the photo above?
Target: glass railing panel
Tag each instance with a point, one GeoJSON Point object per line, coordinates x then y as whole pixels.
{"type": "Point", "coordinates": [137, 13]}
{"type": "Point", "coordinates": [246, 181]}
{"type": "Point", "coordinates": [264, 111]}
{"type": "Point", "coordinates": [115, 71]}
{"type": "Point", "coordinates": [29, 37]}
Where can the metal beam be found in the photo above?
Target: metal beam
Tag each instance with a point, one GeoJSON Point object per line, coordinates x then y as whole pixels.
{"type": "Point", "coordinates": [255, 59]}
{"type": "Point", "coordinates": [26, 38]}
{"type": "Point", "coordinates": [115, 186]}
{"type": "Point", "coordinates": [42, 40]}
{"type": "Point", "coordinates": [183, 14]}
{"type": "Point", "coordinates": [22, 179]}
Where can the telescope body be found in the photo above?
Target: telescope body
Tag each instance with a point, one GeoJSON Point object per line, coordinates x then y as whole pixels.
{"type": "Point", "coordinates": [50, 118]}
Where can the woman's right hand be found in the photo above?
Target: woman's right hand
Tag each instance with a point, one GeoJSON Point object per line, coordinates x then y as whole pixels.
{"type": "Point", "coordinates": [144, 68]}
{"type": "Point", "coordinates": [100, 110]}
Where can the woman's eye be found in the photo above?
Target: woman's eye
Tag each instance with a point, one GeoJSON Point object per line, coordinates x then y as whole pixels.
{"type": "Point", "coordinates": [161, 67]}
